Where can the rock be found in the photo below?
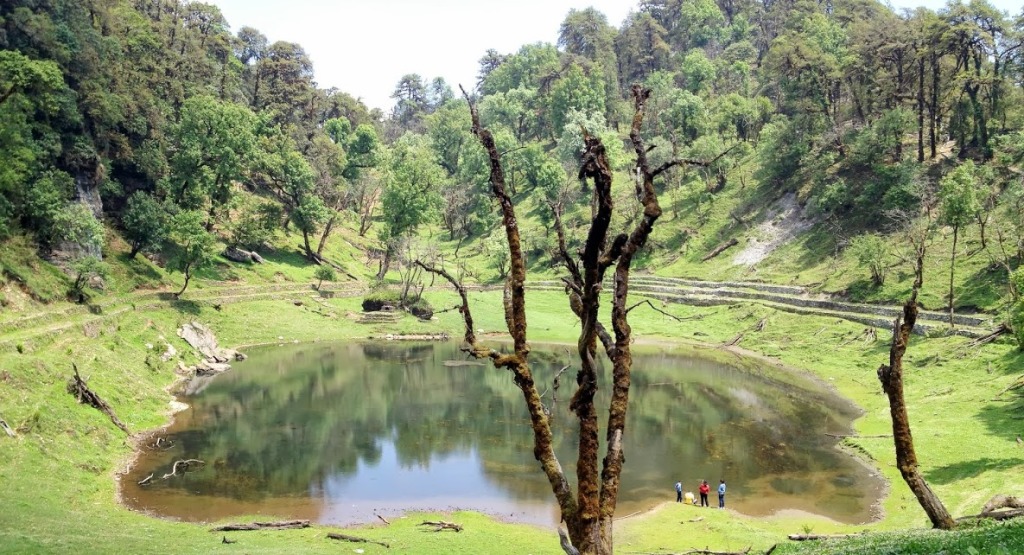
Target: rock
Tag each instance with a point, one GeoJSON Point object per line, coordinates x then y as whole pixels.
{"type": "Point", "coordinates": [240, 356]}
{"type": "Point", "coordinates": [237, 255]}
{"type": "Point", "coordinates": [97, 283]}
{"type": "Point", "coordinates": [170, 353]}
{"type": "Point", "coordinates": [201, 339]}
{"type": "Point", "coordinates": [149, 346]}
{"type": "Point", "coordinates": [207, 368]}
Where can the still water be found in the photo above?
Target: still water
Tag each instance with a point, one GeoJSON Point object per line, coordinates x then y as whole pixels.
{"type": "Point", "coordinates": [341, 433]}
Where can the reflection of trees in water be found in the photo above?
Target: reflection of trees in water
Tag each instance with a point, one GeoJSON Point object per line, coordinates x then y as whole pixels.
{"type": "Point", "coordinates": [283, 425]}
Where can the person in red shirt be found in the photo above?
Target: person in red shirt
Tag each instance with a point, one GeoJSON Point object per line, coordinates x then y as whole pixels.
{"type": "Point", "coordinates": [704, 489]}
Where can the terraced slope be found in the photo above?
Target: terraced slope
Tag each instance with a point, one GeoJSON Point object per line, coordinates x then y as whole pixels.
{"type": "Point", "coordinates": [34, 331]}
{"type": "Point", "coordinates": [794, 299]}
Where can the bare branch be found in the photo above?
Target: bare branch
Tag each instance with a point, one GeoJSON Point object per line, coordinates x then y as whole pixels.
{"type": "Point", "coordinates": [673, 316]}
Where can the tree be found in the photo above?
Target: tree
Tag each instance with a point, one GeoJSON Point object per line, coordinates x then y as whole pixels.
{"type": "Point", "coordinates": [588, 514]}
{"type": "Point", "coordinates": [410, 100]}
{"type": "Point", "coordinates": [189, 247]}
{"type": "Point", "coordinates": [1017, 310]}
{"type": "Point", "coordinates": [959, 206]}
{"type": "Point", "coordinates": [212, 145]}
{"type": "Point", "coordinates": [85, 269]}
{"type": "Point", "coordinates": [144, 222]}
{"type": "Point", "coordinates": [410, 195]}
{"type": "Point", "coordinates": [871, 250]}
{"type": "Point", "coordinates": [891, 376]}
{"type": "Point", "coordinates": [323, 273]}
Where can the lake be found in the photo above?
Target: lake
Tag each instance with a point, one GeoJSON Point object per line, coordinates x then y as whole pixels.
{"type": "Point", "coordinates": [341, 433]}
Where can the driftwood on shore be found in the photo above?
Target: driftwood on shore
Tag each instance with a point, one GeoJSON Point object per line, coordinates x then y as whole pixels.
{"type": "Point", "coordinates": [279, 525]}
{"type": "Point", "coordinates": [81, 391]}
{"type": "Point", "coordinates": [442, 525]}
{"type": "Point", "coordinates": [354, 539]}
{"type": "Point", "coordinates": [184, 465]}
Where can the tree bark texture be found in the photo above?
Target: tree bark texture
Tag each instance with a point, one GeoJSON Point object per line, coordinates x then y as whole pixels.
{"type": "Point", "coordinates": [588, 514]}
{"type": "Point", "coordinates": [891, 376]}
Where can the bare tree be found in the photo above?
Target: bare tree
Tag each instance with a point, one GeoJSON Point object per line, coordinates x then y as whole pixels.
{"type": "Point", "coordinates": [587, 513]}
{"type": "Point", "coordinates": [891, 376]}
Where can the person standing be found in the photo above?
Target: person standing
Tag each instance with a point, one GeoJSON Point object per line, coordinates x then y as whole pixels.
{"type": "Point", "coordinates": [679, 491]}
{"type": "Point", "coordinates": [704, 489]}
{"type": "Point", "coordinates": [721, 494]}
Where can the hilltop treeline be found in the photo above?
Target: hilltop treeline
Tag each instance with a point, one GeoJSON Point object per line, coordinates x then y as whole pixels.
{"type": "Point", "coordinates": [181, 132]}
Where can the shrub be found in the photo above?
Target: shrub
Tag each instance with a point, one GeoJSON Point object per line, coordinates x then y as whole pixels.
{"type": "Point", "coordinates": [324, 273]}
{"type": "Point", "coordinates": [872, 251]}
{"type": "Point", "coordinates": [421, 309]}
{"type": "Point", "coordinates": [376, 300]}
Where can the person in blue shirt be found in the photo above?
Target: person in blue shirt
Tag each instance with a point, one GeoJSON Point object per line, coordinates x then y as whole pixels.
{"type": "Point", "coordinates": [721, 494]}
{"type": "Point", "coordinates": [679, 491]}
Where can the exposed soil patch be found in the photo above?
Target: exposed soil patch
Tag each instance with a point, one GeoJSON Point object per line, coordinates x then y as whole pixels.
{"type": "Point", "coordinates": [784, 221]}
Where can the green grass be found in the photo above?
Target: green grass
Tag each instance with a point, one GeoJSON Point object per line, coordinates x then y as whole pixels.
{"type": "Point", "coordinates": [58, 490]}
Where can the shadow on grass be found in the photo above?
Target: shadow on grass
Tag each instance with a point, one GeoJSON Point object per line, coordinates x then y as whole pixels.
{"type": "Point", "coordinates": [983, 290]}
{"type": "Point", "coordinates": [184, 306]}
{"type": "Point", "coordinates": [970, 469]}
{"type": "Point", "coordinates": [140, 271]}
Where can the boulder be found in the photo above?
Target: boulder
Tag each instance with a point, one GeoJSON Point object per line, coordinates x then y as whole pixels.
{"type": "Point", "coordinates": [237, 255]}
{"type": "Point", "coordinates": [201, 339]}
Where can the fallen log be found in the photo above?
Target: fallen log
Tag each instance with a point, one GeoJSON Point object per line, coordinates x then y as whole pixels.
{"type": "Point", "coordinates": [279, 525]}
{"type": "Point", "coordinates": [1002, 329]}
{"type": "Point", "coordinates": [857, 436]}
{"type": "Point", "coordinates": [442, 525]}
{"type": "Point", "coordinates": [719, 249]}
{"type": "Point", "coordinates": [354, 539]}
{"type": "Point", "coordinates": [81, 391]}
{"type": "Point", "coordinates": [1000, 507]}
{"type": "Point", "coordinates": [383, 519]}
{"type": "Point", "coordinates": [732, 342]}
{"type": "Point", "coordinates": [815, 537]}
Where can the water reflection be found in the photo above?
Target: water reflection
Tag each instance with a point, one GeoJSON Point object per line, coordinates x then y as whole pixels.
{"type": "Point", "coordinates": [340, 433]}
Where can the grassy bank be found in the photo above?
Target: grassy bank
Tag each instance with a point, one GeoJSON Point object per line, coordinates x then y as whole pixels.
{"type": "Point", "coordinates": [58, 474]}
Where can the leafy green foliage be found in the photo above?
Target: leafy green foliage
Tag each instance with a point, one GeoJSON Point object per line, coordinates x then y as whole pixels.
{"type": "Point", "coordinates": [958, 196]}
{"type": "Point", "coordinates": [189, 247]}
{"type": "Point", "coordinates": [212, 145]}
{"type": "Point", "coordinates": [872, 250]}
{"type": "Point", "coordinates": [324, 273]}
{"type": "Point", "coordinates": [255, 224]}
{"type": "Point", "coordinates": [85, 269]}
{"type": "Point", "coordinates": [411, 195]}
{"type": "Point", "coordinates": [377, 299]}
{"type": "Point", "coordinates": [145, 222]}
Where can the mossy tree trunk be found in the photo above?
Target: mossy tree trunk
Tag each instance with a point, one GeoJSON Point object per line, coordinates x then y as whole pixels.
{"type": "Point", "coordinates": [891, 376]}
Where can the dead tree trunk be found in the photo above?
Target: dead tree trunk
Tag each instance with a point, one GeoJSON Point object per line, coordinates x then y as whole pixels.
{"type": "Point", "coordinates": [588, 514]}
{"type": "Point", "coordinates": [891, 376]}
{"type": "Point", "coordinates": [81, 391]}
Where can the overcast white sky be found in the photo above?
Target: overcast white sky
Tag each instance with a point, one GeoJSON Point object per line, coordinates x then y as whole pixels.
{"type": "Point", "coordinates": [364, 47]}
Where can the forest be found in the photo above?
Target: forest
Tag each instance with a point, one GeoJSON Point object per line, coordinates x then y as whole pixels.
{"type": "Point", "coordinates": [146, 143]}
{"type": "Point", "coordinates": [178, 134]}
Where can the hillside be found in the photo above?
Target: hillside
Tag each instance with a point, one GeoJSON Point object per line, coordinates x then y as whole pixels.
{"type": "Point", "coordinates": [160, 166]}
